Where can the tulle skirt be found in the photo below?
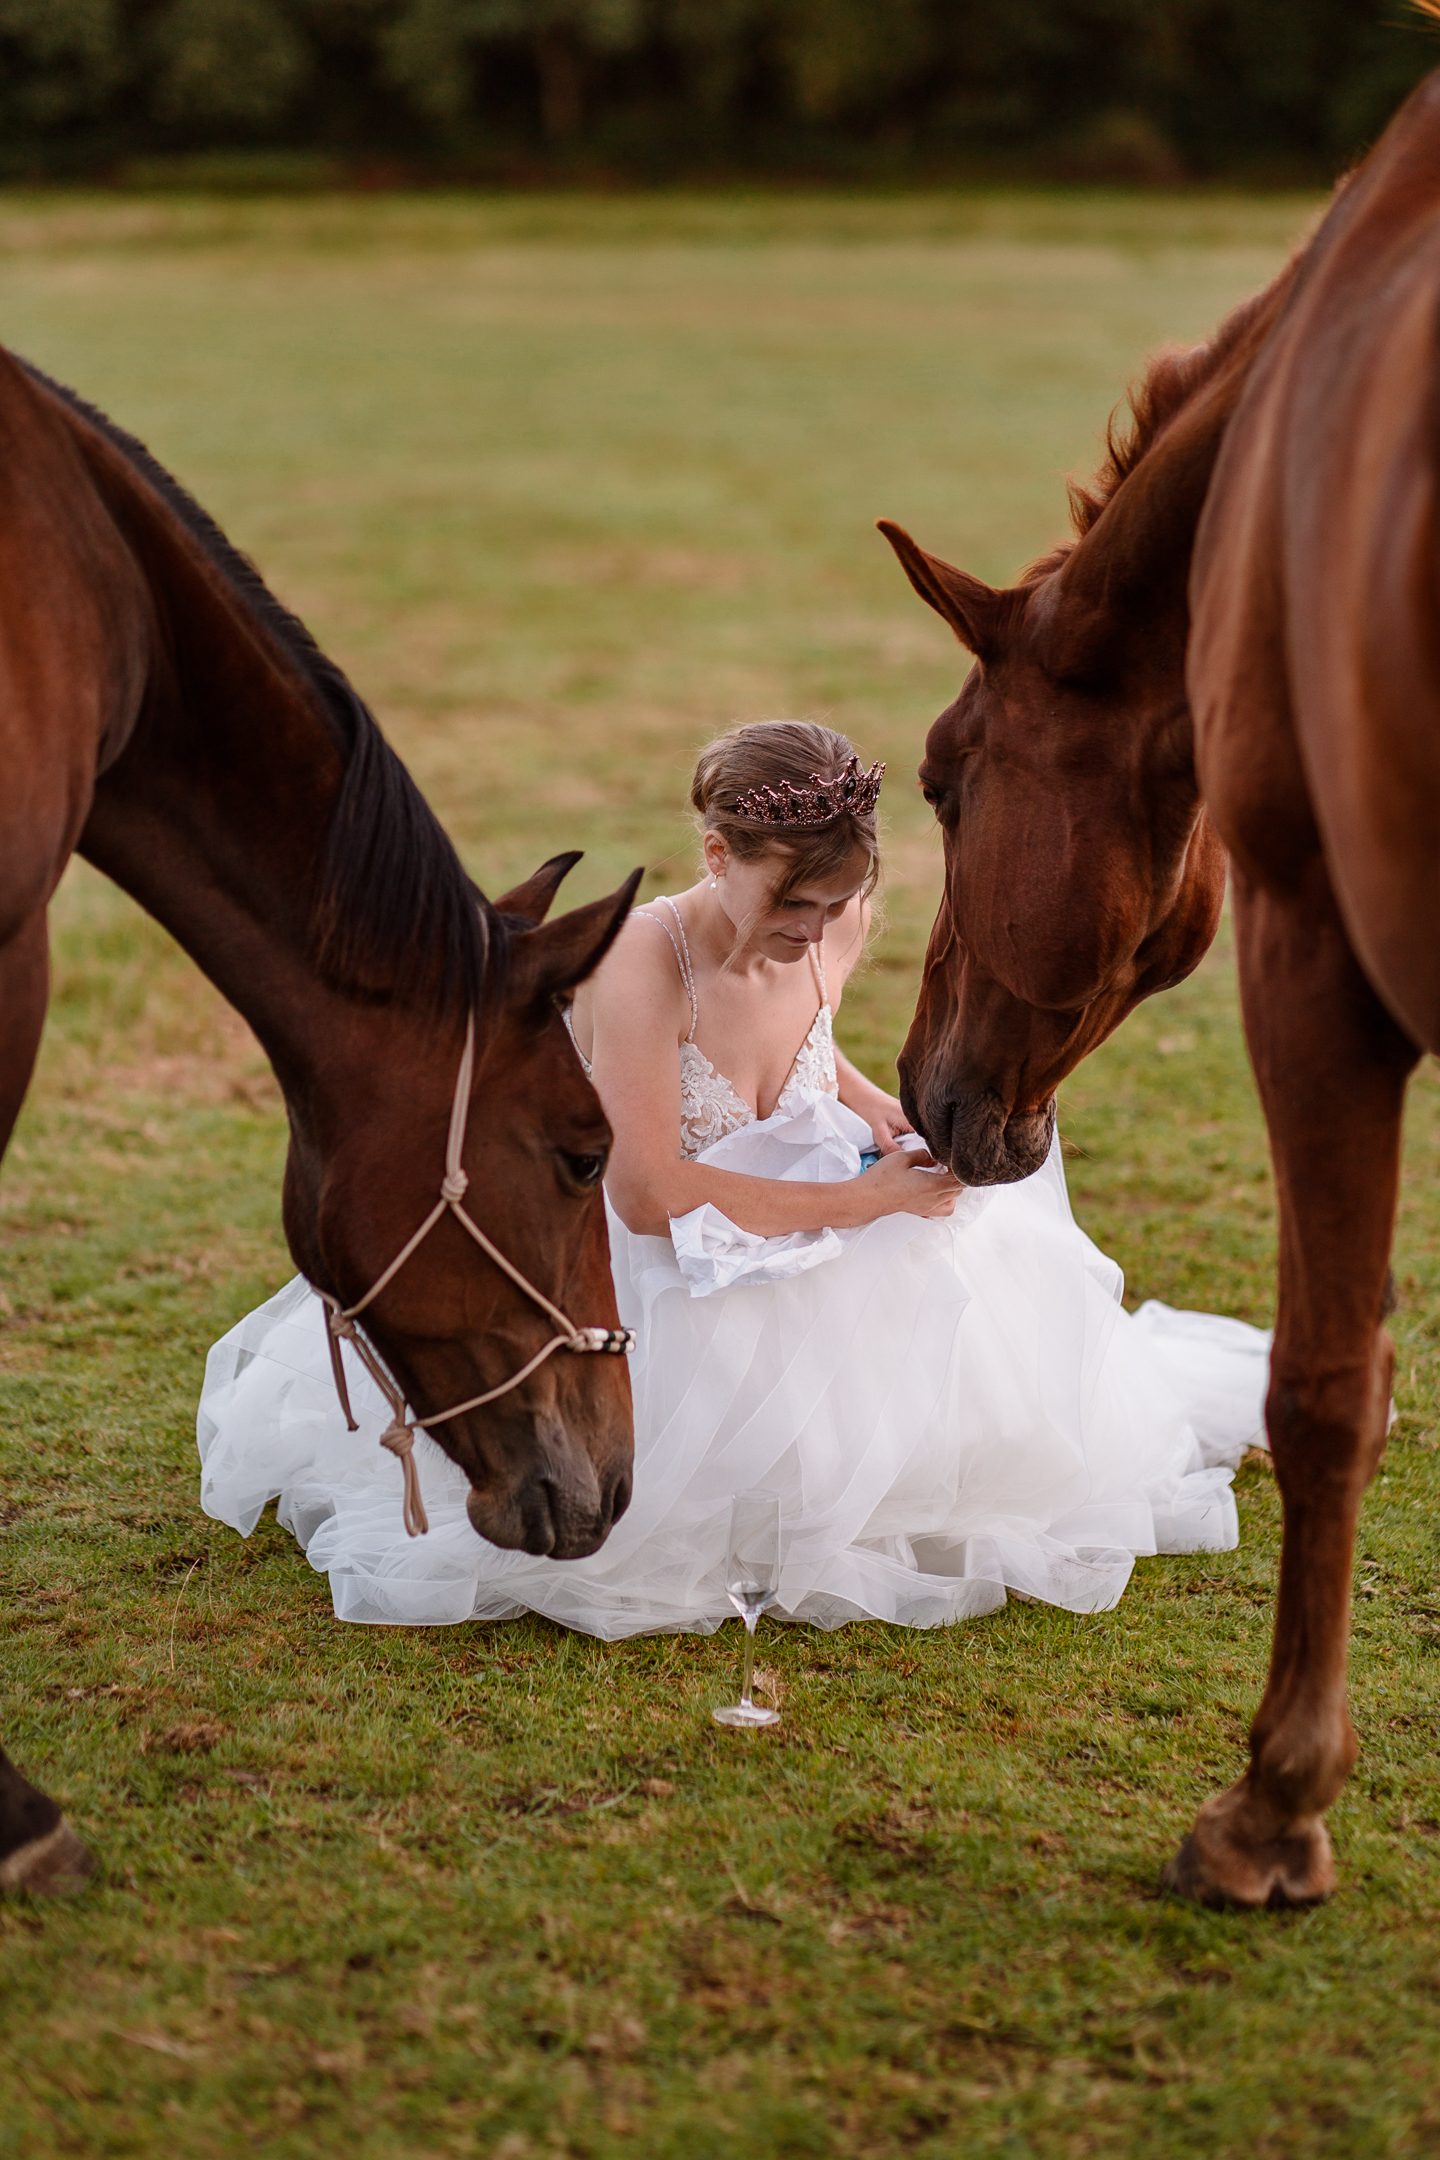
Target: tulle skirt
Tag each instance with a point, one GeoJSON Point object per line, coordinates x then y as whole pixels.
{"type": "Point", "coordinates": [947, 1410]}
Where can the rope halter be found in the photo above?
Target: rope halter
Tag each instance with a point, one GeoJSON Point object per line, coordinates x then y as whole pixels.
{"type": "Point", "coordinates": [399, 1434]}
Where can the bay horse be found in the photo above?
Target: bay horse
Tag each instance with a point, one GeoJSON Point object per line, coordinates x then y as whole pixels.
{"type": "Point", "coordinates": [1239, 655]}
{"type": "Point", "coordinates": [163, 715]}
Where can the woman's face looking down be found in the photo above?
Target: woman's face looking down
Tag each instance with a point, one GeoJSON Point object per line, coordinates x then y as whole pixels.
{"type": "Point", "coordinates": [781, 930]}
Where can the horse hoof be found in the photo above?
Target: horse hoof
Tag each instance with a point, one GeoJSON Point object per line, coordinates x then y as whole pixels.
{"type": "Point", "coordinates": [48, 1866]}
{"type": "Point", "coordinates": [1218, 1868]}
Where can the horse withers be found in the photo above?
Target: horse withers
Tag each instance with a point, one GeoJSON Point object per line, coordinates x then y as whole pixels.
{"type": "Point", "coordinates": [162, 714]}
{"type": "Point", "coordinates": [1241, 652]}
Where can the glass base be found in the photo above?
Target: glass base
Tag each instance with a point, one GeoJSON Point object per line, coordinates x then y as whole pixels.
{"type": "Point", "coordinates": [745, 1714]}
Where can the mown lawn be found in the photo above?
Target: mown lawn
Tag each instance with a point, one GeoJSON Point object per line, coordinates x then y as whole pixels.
{"type": "Point", "coordinates": [566, 485]}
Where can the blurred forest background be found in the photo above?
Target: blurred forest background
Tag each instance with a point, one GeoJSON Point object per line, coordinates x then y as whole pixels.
{"type": "Point", "coordinates": [285, 92]}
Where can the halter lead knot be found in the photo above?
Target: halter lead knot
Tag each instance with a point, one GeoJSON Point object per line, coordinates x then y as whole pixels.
{"type": "Point", "coordinates": [399, 1434]}
{"type": "Point", "coordinates": [400, 1439]}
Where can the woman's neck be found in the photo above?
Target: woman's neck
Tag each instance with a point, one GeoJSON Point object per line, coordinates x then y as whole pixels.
{"type": "Point", "coordinates": [716, 935]}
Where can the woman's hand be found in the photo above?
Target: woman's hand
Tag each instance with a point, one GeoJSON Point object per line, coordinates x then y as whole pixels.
{"type": "Point", "coordinates": [887, 1122]}
{"type": "Point", "coordinates": [881, 1112]}
{"type": "Point", "coordinates": [906, 1183]}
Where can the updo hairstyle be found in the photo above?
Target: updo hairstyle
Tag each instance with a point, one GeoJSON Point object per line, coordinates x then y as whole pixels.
{"type": "Point", "coordinates": [774, 753]}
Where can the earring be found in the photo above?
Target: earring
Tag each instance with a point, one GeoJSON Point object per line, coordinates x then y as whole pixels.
{"type": "Point", "coordinates": [714, 881]}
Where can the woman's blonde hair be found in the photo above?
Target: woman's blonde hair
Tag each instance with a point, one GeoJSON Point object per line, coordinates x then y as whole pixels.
{"type": "Point", "coordinates": [780, 753]}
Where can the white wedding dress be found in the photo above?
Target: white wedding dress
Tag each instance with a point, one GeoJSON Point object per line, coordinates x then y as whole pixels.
{"type": "Point", "coordinates": [948, 1410]}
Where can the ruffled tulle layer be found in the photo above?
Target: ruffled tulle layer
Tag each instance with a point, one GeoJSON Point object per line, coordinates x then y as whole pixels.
{"type": "Point", "coordinates": [948, 1411]}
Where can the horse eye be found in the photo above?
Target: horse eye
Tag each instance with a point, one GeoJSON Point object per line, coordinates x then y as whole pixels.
{"type": "Point", "coordinates": [585, 1170]}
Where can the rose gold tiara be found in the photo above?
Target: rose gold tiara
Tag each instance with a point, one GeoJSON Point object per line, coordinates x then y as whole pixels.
{"type": "Point", "coordinates": [851, 791]}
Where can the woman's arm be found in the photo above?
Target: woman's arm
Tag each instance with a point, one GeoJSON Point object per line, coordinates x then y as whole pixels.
{"type": "Point", "coordinates": [640, 1013]}
{"type": "Point", "coordinates": [881, 1112]}
{"type": "Point", "coordinates": [646, 1198]}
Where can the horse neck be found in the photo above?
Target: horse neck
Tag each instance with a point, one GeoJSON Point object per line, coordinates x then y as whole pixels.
{"type": "Point", "coordinates": [214, 814]}
{"type": "Point", "coordinates": [1122, 590]}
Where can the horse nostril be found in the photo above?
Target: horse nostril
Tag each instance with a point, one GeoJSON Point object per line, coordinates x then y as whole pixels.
{"type": "Point", "coordinates": [619, 1497]}
{"type": "Point", "coordinates": [541, 1517]}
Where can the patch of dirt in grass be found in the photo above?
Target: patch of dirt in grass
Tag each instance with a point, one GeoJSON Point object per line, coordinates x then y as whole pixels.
{"type": "Point", "coordinates": [875, 1923]}
{"type": "Point", "coordinates": [898, 1835]}
{"type": "Point", "coordinates": [229, 1066]}
{"type": "Point", "coordinates": [192, 1736]}
{"type": "Point", "coordinates": [731, 1970]}
{"type": "Point", "coordinates": [22, 1357]}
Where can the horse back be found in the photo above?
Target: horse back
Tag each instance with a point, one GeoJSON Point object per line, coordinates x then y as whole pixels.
{"type": "Point", "coordinates": [1314, 655]}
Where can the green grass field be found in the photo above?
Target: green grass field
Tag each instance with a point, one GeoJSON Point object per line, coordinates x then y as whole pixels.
{"type": "Point", "coordinates": [567, 485]}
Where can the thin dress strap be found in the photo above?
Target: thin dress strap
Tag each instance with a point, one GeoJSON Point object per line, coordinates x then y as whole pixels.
{"type": "Point", "coordinates": [682, 955]}
{"type": "Point", "coordinates": [817, 962]}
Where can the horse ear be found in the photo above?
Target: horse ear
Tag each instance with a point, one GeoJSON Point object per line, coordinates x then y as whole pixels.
{"type": "Point", "coordinates": [531, 901]}
{"type": "Point", "coordinates": [973, 610]}
{"type": "Point", "coordinates": [556, 956]}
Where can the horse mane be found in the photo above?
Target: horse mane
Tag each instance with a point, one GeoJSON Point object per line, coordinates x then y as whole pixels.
{"type": "Point", "coordinates": [1173, 378]}
{"type": "Point", "coordinates": [394, 898]}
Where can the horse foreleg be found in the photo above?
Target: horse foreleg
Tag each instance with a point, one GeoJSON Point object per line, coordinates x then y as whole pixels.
{"type": "Point", "coordinates": [1332, 1068]}
{"type": "Point", "coordinates": [38, 1849]}
{"type": "Point", "coordinates": [24, 994]}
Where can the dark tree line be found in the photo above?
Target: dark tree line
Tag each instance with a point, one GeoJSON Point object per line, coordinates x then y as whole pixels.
{"type": "Point", "coordinates": [654, 88]}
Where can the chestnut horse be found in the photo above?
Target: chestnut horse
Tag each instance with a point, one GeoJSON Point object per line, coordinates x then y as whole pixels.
{"type": "Point", "coordinates": [1241, 652]}
{"type": "Point", "coordinates": [162, 714]}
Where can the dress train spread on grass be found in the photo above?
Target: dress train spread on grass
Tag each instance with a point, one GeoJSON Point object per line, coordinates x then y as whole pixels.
{"type": "Point", "coordinates": [949, 1409]}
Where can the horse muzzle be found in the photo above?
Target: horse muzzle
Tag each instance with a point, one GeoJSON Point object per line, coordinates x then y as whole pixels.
{"type": "Point", "coordinates": [985, 1143]}
{"type": "Point", "coordinates": [561, 1505]}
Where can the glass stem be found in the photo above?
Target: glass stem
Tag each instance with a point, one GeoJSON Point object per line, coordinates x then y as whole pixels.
{"type": "Point", "coordinates": [745, 1702]}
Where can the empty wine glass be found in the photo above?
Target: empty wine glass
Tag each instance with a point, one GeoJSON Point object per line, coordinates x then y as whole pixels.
{"type": "Point", "coordinates": [752, 1583]}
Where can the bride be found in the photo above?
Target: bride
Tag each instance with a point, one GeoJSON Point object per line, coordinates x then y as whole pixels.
{"type": "Point", "coordinates": [942, 1385]}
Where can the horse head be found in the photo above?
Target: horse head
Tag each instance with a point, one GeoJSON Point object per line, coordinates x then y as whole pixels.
{"type": "Point", "coordinates": [1081, 872]}
{"type": "Point", "coordinates": [548, 1460]}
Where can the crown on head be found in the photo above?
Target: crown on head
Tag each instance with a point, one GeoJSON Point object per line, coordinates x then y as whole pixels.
{"type": "Point", "coordinates": [850, 791]}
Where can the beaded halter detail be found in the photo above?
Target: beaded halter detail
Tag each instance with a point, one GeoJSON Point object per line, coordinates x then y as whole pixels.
{"type": "Point", "coordinates": [852, 791]}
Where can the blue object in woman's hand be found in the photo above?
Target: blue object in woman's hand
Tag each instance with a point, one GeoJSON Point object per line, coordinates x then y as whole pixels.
{"type": "Point", "coordinates": [869, 1156]}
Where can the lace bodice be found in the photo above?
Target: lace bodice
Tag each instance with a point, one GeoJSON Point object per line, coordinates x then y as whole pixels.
{"type": "Point", "coordinates": [710, 1105]}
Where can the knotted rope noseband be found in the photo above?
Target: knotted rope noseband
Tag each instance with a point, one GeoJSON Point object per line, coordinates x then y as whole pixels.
{"type": "Point", "coordinates": [399, 1435]}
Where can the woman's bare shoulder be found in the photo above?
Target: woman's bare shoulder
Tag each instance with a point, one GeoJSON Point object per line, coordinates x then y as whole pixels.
{"type": "Point", "coordinates": [643, 960]}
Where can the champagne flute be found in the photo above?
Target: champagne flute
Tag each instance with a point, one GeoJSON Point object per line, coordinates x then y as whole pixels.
{"type": "Point", "coordinates": [752, 1583]}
